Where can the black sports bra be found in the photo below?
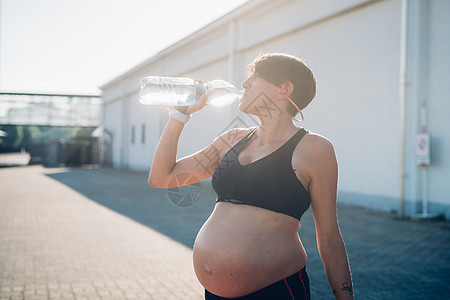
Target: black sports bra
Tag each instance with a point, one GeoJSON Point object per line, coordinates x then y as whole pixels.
{"type": "Point", "coordinates": [270, 182]}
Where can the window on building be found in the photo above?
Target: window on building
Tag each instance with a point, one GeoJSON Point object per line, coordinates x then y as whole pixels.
{"type": "Point", "coordinates": [143, 133]}
{"type": "Point", "coordinates": [133, 132]}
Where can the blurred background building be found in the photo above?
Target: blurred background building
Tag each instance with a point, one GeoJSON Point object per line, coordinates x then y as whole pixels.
{"type": "Point", "coordinates": [383, 73]}
{"type": "Point", "coordinates": [53, 129]}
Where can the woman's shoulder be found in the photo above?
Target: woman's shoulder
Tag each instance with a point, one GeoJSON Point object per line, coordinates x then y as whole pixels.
{"type": "Point", "coordinates": [315, 156]}
{"type": "Point", "coordinates": [315, 146]}
{"type": "Point", "coordinates": [317, 140]}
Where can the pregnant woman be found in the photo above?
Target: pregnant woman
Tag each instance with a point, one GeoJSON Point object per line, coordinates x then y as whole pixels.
{"type": "Point", "coordinates": [265, 178]}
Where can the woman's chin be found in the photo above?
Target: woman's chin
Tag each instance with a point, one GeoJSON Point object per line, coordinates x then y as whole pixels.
{"type": "Point", "coordinates": [242, 108]}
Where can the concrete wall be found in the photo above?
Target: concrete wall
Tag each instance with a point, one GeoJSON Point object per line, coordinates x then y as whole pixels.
{"type": "Point", "coordinates": [438, 97]}
{"type": "Point", "coordinates": [427, 78]}
{"type": "Point", "coordinates": [355, 49]}
{"type": "Point", "coordinates": [112, 120]}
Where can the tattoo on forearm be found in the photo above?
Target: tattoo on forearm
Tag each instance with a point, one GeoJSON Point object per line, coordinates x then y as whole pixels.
{"type": "Point", "coordinates": [347, 287]}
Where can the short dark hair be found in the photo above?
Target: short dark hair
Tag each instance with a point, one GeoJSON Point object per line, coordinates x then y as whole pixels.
{"type": "Point", "coordinates": [277, 68]}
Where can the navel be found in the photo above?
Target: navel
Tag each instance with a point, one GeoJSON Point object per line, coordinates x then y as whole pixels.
{"type": "Point", "coordinates": [208, 270]}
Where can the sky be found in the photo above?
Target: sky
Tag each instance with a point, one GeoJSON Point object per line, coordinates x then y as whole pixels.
{"type": "Point", "coordinates": [75, 46]}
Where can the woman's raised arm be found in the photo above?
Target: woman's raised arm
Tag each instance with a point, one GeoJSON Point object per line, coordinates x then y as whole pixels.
{"type": "Point", "coordinates": [166, 171]}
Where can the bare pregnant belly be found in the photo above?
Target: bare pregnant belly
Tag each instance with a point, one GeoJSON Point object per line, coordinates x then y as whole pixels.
{"type": "Point", "coordinates": [241, 249]}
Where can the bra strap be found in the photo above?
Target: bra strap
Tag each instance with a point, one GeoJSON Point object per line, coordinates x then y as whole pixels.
{"type": "Point", "coordinates": [295, 140]}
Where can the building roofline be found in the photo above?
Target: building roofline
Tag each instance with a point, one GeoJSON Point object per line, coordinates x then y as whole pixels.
{"type": "Point", "coordinates": [231, 15]}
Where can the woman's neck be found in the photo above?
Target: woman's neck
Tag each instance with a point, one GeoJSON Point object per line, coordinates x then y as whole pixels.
{"type": "Point", "coordinates": [275, 131]}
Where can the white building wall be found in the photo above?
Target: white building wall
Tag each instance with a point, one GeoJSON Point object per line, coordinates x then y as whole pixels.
{"type": "Point", "coordinates": [141, 150]}
{"type": "Point", "coordinates": [353, 47]}
{"type": "Point", "coordinates": [112, 120]}
{"type": "Point", "coordinates": [436, 93]}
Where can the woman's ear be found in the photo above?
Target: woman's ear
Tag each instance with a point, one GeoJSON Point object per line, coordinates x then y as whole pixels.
{"type": "Point", "coordinates": [286, 89]}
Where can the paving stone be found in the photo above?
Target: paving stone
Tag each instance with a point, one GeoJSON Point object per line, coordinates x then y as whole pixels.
{"type": "Point", "coordinates": [51, 236]}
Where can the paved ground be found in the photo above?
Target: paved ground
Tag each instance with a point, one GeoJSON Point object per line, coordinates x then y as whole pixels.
{"type": "Point", "coordinates": [104, 234]}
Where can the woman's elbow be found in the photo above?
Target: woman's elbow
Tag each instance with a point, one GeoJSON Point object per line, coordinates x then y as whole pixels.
{"type": "Point", "coordinates": [153, 181]}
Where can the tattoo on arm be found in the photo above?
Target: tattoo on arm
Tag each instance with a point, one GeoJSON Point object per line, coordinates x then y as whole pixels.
{"type": "Point", "coordinates": [347, 287]}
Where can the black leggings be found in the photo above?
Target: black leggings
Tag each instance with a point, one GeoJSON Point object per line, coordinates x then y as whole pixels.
{"type": "Point", "coordinates": [295, 287]}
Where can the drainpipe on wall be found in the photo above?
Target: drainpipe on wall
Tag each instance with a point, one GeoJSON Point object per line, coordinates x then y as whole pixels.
{"type": "Point", "coordinates": [402, 98]}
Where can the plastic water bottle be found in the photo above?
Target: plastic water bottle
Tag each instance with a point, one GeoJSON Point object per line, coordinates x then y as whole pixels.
{"type": "Point", "coordinates": [178, 91]}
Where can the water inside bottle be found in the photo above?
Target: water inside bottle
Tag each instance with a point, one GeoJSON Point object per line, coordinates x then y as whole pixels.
{"type": "Point", "coordinates": [161, 94]}
{"type": "Point", "coordinates": [181, 95]}
{"type": "Point", "coordinates": [172, 91]}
